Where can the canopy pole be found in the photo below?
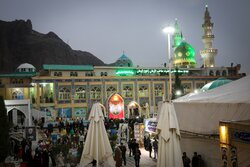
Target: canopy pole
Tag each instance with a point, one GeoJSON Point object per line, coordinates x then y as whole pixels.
{"type": "Point", "coordinates": [97, 161]}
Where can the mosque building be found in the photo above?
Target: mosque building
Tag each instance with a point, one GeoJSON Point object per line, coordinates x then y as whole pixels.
{"type": "Point", "coordinates": [184, 53]}
{"type": "Point", "coordinates": [208, 53]}
{"type": "Point", "coordinates": [125, 91]}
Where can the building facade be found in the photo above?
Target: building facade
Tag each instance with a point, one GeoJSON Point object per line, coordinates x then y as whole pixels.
{"type": "Point", "coordinates": [69, 91]}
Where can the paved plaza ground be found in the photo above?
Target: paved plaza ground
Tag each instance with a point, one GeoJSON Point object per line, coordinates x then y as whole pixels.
{"type": "Point", "coordinates": [146, 161]}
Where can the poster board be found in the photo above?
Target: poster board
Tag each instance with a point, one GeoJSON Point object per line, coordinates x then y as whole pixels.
{"type": "Point", "coordinates": [150, 125]}
{"type": "Point", "coordinates": [139, 133]}
{"type": "Point", "coordinates": [80, 112]}
{"type": "Point", "coordinates": [116, 107]}
{"type": "Point", "coordinates": [30, 133]}
{"type": "Point", "coordinates": [65, 112]}
{"type": "Point", "coordinates": [123, 133]}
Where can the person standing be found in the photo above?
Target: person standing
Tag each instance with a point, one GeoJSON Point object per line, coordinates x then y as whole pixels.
{"type": "Point", "coordinates": [155, 147]}
{"type": "Point", "coordinates": [45, 158]}
{"type": "Point", "coordinates": [123, 149]}
{"type": "Point", "coordinates": [137, 156]}
{"type": "Point", "coordinates": [81, 139]}
{"type": "Point", "coordinates": [133, 145]}
{"type": "Point", "coordinates": [94, 162]}
{"type": "Point", "coordinates": [200, 161]}
{"type": "Point", "coordinates": [150, 149]}
{"type": "Point", "coordinates": [118, 157]}
{"type": "Point", "coordinates": [16, 150]}
{"type": "Point", "coordinates": [130, 147]}
{"type": "Point", "coordinates": [186, 160]}
{"type": "Point", "coordinates": [195, 160]}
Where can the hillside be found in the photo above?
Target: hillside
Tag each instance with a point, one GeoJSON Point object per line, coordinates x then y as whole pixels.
{"type": "Point", "coordinates": [19, 43]}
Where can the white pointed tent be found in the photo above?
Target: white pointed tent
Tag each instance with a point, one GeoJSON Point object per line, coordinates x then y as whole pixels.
{"type": "Point", "coordinates": [97, 145]}
{"type": "Point", "coordinates": [169, 151]}
{"type": "Point", "coordinates": [201, 113]}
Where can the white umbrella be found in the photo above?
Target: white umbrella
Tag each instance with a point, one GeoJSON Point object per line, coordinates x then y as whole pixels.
{"type": "Point", "coordinates": [169, 151]}
{"type": "Point", "coordinates": [97, 145]}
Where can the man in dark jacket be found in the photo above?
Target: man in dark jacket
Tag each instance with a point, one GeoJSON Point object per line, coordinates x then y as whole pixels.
{"type": "Point", "coordinates": [137, 156]}
{"type": "Point", "coordinates": [195, 160]}
{"type": "Point", "coordinates": [186, 160]}
{"type": "Point", "coordinates": [123, 149]}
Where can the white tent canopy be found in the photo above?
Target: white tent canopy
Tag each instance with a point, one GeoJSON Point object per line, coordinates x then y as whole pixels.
{"type": "Point", "coordinates": [201, 113]}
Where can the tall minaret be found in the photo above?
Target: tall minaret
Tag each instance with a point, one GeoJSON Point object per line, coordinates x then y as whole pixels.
{"type": "Point", "coordinates": [177, 36]}
{"type": "Point", "coordinates": [208, 53]}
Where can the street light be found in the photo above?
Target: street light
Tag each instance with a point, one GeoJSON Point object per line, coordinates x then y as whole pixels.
{"type": "Point", "coordinates": [169, 31]}
{"type": "Point", "coordinates": [178, 93]}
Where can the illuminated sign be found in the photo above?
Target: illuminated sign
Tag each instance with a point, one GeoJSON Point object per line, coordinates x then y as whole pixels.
{"type": "Point", "coordinates": [153, 71]}
{"type": "Point", "coordinates": [125, 72]}
{"type": "Point", "coordinates": [116, 107]}
{"type": "Point", "coordinates": [147, 71]}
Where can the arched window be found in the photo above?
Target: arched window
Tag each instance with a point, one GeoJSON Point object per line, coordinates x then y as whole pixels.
{"type": "Point", "coordinates": [89, 74]}
{"type": "Point", "coordinates": [127, 91]}
{"type": "Point", "coordinates": [14, 81]}
{"type": "Point", "coordinates": [14, 95]}
{"type": "Point", "coordinates": [58, 74]}
{"type": "Point", "coordinates": [110, 90]}
{"type": "Point", "coordinates": [17, 95]}
{"type": "Point", "coordinates": [64, 94]}
{"type": "Point", "coordinates": [80, 93]}
{"type": "Point", "coordinates": [158, 90]}
{"type": "Point", "coordinates": [143, 91]}
{"type": "Point", "coordinates": [224, 73]}
{"type": "Point", "coordinates": [20, 81]}
{"type": "Point", "coordinates": [217, 73]}
{"type": "Point", "coordinates": [187, 87]}
{"type": "Point", "coordinates": [211, 73]}
{"type": "Point", "coordinates": [95, 93]}
{"type": "Point", "coordinates": [73, 74]}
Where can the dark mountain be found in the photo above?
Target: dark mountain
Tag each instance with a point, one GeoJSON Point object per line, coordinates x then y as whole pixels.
{"type": "Point", "coordinates": [20, 44]}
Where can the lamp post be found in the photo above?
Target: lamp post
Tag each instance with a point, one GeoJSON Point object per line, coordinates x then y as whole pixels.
{"type": "Point", "coordinates": [169, 31]}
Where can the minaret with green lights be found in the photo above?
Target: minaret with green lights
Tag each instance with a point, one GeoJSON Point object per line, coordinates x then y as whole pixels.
{"type": "Point", "coordinates": [177, 36]}
{"type": "Point", "coordinates": [184, 53]}
{"type": "Point", "coordinates": [208, 53]}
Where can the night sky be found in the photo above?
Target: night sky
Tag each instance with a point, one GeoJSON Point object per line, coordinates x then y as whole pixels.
{"type": "Point", "coordinates": [106, 28]}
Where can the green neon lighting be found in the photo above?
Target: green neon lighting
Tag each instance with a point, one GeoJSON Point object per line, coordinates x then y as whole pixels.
{"type": "Point", "coordinates": [153, 71]}
{"type": "Point", "coordinates": [147, 71]}
{"type": "Point", "coordinates": [125, 72]}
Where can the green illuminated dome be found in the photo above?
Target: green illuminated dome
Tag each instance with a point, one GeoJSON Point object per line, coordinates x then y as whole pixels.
{"type": "Point", "coordinates": [124, 61]}
{"type": "Point", "coordinates": [184, 55]}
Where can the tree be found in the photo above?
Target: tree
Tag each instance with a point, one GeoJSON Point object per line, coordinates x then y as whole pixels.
{"type": "Point", "coordinates": [4, 130]}
{"type": "Point", "coordinates": [177, 86]}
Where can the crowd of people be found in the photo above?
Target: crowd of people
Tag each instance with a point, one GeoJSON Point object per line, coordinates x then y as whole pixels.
{"type": "Point", "coordinates": [57, 150]}
{"type": "Point", "coordinates": [53, 147]}
{"type": "Point", "coordinates": [197, 160]}
{"type": "Point", "coordinates": [151, 146]}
